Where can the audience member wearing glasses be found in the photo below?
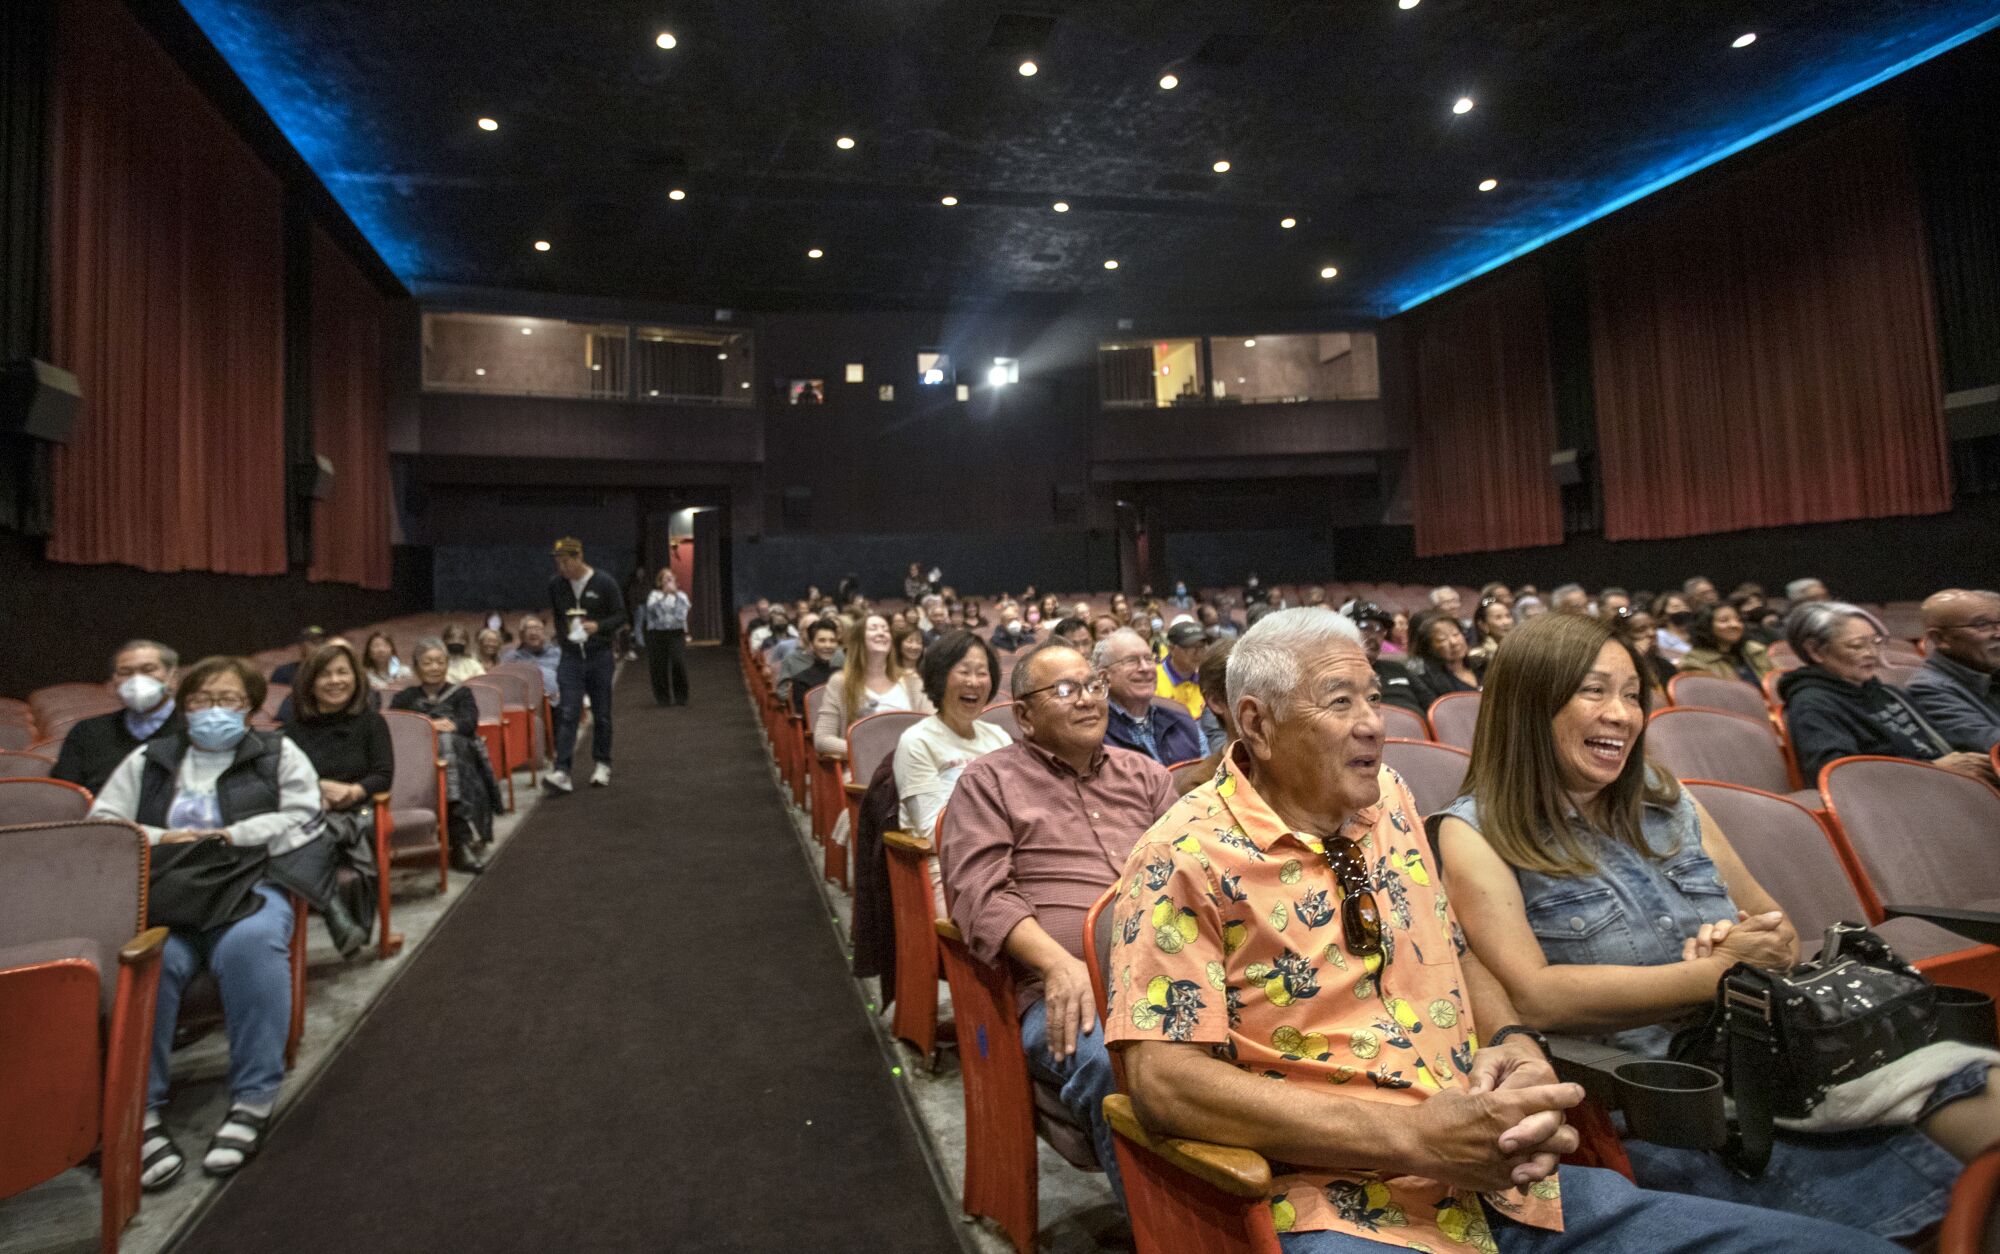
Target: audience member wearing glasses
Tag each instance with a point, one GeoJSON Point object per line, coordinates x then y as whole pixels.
{"type": "Point", "coordinates": [1956, 688]}
{"type": "Point", "coordinates": [1161, 730]}
{"type": "Point", "coordinates": [1284, 976]}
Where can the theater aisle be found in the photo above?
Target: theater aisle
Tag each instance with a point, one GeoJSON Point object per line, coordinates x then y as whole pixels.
{"type": "Point", "coordinates": [639, 1034]}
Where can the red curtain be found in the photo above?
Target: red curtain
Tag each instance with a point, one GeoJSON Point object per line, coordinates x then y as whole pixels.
{"type": "Point", "coordinates": [1764, 352]}
{"type": "Point", "coordinates": [350, 425]}
{"type": "Point", "coordinates": [1483, 409]}
{"type": "Point", "coordinates": [168, 267]}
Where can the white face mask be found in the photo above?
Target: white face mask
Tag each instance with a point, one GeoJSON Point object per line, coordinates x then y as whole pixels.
{"type": "Point", "coordinates": [141, 693]}
{"type": "Point", "coordinates": [1014, 626]}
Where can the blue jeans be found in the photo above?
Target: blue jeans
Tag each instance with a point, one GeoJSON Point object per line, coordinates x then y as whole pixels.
{"type": "Point", "coordinates": [252, 962]}
{"type": "Point", "coordinates": [577, 678]}
{"type": "Point", "coordinates": [1085, 1080]}
{"type": "Point", "coordinates": [1602, 1210]}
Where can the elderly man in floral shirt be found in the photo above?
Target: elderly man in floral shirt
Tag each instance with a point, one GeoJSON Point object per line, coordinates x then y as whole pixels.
{"type": "Point", "coordinates": [1286, 922]}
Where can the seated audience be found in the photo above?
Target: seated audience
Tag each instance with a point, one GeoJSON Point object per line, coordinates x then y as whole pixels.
{"type": "Point", "coordinates": [1160, 730]}
{"type": "Point", "coordinates": [536, 647]}
{"type": "Point", "coordinates": [872, 681]}
{"type": "Point", "coordinates": [1440, 661]}
{"type": "Point", "coordinates": [1498, 592]}
{"type": "Point", "coordinates": [777, 626]}
{"type": "Point", "coordinates": [1656, 671]}
{"type": "Point", "coordinates": [1700, 592]}
{"type": "Point", "coordinates": [309, 639]}
{"type": "Point", "coordinates": [1396, 641]}
{"type": "Point", "coordinates": [1527, 605]}
{"type": "Point", "coordinates": [1611, 600]}
{"type": "Point", "coordinates": [1570, 598]}
{"type": "Point", "coordinates": [1720, 647]}
{"type": "Point", "coordinates": [1014, 633]}
{"type": "Point", "coordinates": [458, 648]}
{"type": "Point", "coordinates": [143, 675]}
{"type": "Point", "coordinates": [1072, 631]}
{"type": "Point", "coordinates": [1801, 591]}
{"type": "Point", "coordinates": [1213, 625]}
{"type": "Point", "coordinates": [1186, 642]}
{"type": "Point", "coordinates": [1035, 833]}
{"type": "Point", "coordinates": [1269, 603]}
{"type": "Point", "coordinates": [1608, 904]}
{"type": "Point", "coordinates": [908, 645]}
{"type": "Point", "coordinates": [1180, 600]}
{"type": "Point", "coordinates": [471, 791]}
{"type": "Point", "coordinates": [1374, 623]}
{"type": "Point", "coordinates": [378, 658]}
{"type": "Point", "coordinates": [218, 801]}
{"type": "Point", "coordinates": [1956, 689]}
{"type": "Point", "coordinates": [914, 583]}
{"type": "Point", "coordinates": [1102, 625]}
{"type": "Point", "coordinates": [1671, 620]}
{"type": "Point", "coordinates": [1445, 600]}
{"type": "Point", "coordinates": [960, 676]}
{"type": "Point", "coordinates": [333, 721]}
{"type": "Point", "coordinates": [1245, 918]}
{"type": "Point", "coordinates": [1836, 706]}
{"type": "Point", "coordinates": [811, 666]}
{"type": "Point", "coordinates": [1490, 624]}
{"type": "Point", "coordinates": [487, 647]}
{"type": "Point", "coordinates": [779, 649]}
{"type": "Point", "coordinates": [1217, 727]}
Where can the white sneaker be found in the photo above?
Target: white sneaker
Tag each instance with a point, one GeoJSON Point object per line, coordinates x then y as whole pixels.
{"type": "Point", "coordinates": [558, 781]}
{"type": "Point", "coordinates": [601, 777]}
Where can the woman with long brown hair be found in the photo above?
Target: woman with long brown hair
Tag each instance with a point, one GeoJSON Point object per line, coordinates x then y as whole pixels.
{"type": "Point", "coordinates": [1608, 903]}
{"type": "Point", "coordinates": [873, 680]}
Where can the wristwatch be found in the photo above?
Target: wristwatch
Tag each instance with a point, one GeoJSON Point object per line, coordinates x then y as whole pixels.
{"type": "Point", "coordinates": [1521, 1029]}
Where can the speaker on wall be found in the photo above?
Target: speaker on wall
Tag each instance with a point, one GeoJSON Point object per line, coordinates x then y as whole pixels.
{"type": "Point", "coordinates": [38, 400]}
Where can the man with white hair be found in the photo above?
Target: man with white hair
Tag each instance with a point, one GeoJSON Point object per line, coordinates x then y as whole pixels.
{"type": "Point", "coordinates": [1801, 591]}
{"type": "Point", "coordinates": [1159, 730]}
{"type": "Point", "coordinates": [1286, 974]}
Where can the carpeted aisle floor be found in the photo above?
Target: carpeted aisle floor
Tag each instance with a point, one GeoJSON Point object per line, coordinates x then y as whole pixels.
{"type": "Point", "coordinates": [638, 1033]}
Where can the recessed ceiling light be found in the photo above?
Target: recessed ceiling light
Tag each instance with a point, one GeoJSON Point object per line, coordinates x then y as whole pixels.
{"type": "Point", "coordinates": [1029, 69]}
{"type": "Point", "coordinates": [652, 391]}
{"type": "Point", "coordinates": [1249, 343]}
{"type": "Point", "coordinates": [1487, 185]}
{"type": "Point", "coordinates": [814, 253]}
{"type": "Point", "coordinates": [480, 371]}
{"type": "Point", "coordinates": [488, 124]}
{"type": "Point", "coordinates": [1406, 4]}
{"type": "Point", "coordinates": [1220, 167]}
{"type": "Point", "coordinates": [527, 330]}
{"type": "Point", "coordinates": [1745, 40]}
{"type": "Point", "coordinates": [1464, 105]}
{"type": "Point", "coordinates": [677, 194]}
{"type": "Point", "coordinates": [596, 365]}
{"type": "Point", "coordinates": [844, 142]}
{"type": "Point", "coordinates": [1111, 263]}
{"type": "Point", "coordinates": [665, 39]}
{"type": "Point", "coordinates": [1061, 206]}
{"type": "Point", "coordinates": [1288, 223]}
{"type": "Point", "coordinates": [949, 200]}
{"type": "Point", "coordinates": [722, 356]}
{"type": "Point", "coordinates": [746, 383]}
{"type": "Point", "coordinates": [541, 245]}
{"type": "Point", "coordinates": [1169, 81]}
{"type": "Point", "coordinates": [1327, 272]}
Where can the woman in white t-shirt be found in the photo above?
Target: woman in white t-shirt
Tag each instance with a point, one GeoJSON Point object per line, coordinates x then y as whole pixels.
{"type": "Point", "coordinates": [872, 681]}
{"type": "Point", "coordinates": [961, 675]}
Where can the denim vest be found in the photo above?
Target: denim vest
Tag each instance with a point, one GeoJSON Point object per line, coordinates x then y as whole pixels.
{"type": "Point", "coordinates": [1635, 911]}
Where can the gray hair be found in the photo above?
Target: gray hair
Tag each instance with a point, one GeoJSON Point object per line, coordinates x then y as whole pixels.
{"type": "Point", "coordinates": [1100, 653]}
{"type": "Point", "coordinates": [168, 658]}
{"type": "Point", "coordinates": [1815, 622]}
{"type": "Point", "coordinates": [1438, 595]}
{"type": "Point", "coordinates": [425, 645]}
{"type": "Point", "coordinates": [1265, 662]}
{"type": "Point", "coordinates": [1017, 683]}
{"type": "Point", "coordinates": [1567, 588]}
{"type": "Point", "coordinates": [1797, 587]}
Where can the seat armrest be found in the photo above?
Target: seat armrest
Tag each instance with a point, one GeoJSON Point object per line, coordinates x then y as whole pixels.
{"type": "Point", "coordinates": [908, 843]}
{"type": "Point", "coordinates": [949, 931]}
{"type": "Point", "coordinates": [1589, 1063]}
{"type": "Point", "coordinates": [1979, 925]}
{"type": "Point", "coordinates": [856, 790]}
{"type": "Point", "coordinates": [145, 947]}
{"type": "Point", "coordinates": [1234, 1170]}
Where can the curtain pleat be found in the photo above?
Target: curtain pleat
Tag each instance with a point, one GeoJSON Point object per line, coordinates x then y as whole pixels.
{"type": "Point", "coordinates": [168, 265]}
{"type": "Point", "coordinates": [1765, 351]}
{"type": "Point", "coordinates": [1483, 409]}
{"type": "Point", "coordinates": [350, 421]}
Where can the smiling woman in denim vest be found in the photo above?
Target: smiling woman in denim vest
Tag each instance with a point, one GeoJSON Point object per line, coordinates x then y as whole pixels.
{"type": "Point", "coordinates": [1609, 904]}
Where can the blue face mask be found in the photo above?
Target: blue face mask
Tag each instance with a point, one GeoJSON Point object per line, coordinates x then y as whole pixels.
{"type": "Point", "coordinates": [215, 729]}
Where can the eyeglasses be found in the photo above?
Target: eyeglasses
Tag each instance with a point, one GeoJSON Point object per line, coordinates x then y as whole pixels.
{"type": "Point", "coordinates": [1978, 624]}
{"type": "Point", "coordinates": [1137, 659]}
{"type": "Point", "coordinates": [1360, 917]}
{"type": "Point", "coordinates": [209, 701]}
{"type": "Point", "coordinates": [1864, 644]}
{"type": "Point", "coordinates": [1068, 690]}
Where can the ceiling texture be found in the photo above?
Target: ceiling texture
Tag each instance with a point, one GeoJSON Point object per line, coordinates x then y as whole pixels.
{"type": "Point", "coordinates": [1338, 113]}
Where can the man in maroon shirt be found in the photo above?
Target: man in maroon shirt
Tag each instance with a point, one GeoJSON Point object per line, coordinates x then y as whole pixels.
{"type": "Point", "coordinates": [1033, 836]}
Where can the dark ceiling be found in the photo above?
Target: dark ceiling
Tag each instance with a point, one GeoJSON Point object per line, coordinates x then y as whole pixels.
{"type": "Point", "coordinates": [1335, 112]}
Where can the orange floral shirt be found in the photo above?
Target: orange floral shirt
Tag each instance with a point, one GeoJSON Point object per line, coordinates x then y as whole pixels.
{"type": "Point", "coordinates": [1227, 932]}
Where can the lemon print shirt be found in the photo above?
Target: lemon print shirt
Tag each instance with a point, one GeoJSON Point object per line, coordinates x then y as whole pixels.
{"type": "Point", "coordinates": [1226, 932]}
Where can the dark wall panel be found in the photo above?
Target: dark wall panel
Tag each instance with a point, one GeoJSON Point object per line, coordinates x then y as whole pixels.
{"type": "Point", "coordinates": [781, 566]}
{"type": "Point", "coordinates": [63, 621]}
{"type": "Point", "coordinates": [1223, 558]}
{"type": "Point", "coordinates": [520, 426]}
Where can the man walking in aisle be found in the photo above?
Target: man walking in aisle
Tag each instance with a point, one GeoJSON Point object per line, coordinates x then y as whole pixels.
{"type": "Point", "coordinates": [589, 610]}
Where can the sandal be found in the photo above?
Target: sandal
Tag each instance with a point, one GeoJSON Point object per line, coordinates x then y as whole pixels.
{"type": "Point", "coordinates": [156, 1148]}
{"type": "Point", "coordinates": [229, 1139]}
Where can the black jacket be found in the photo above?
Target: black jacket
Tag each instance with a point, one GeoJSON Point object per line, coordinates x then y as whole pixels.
{"type": "Point", "coordinates": [1397, 687]}
{"type": "Point", "coordinates": [1830, 718]}
{"type": "Point", "coordinates": [601, 602]}
{"type": "Point", "coordinates": [96, 746]}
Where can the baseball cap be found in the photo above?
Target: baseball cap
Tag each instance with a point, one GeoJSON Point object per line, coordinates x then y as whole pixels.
{"type": "Point", "coordinates": [568, 546]}
{"type": "Point", "coordinates": [1186, 632]}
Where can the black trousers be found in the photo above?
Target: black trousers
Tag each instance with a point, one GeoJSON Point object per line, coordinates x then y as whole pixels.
{"type": "Point", "coordinates": [666, 663]}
